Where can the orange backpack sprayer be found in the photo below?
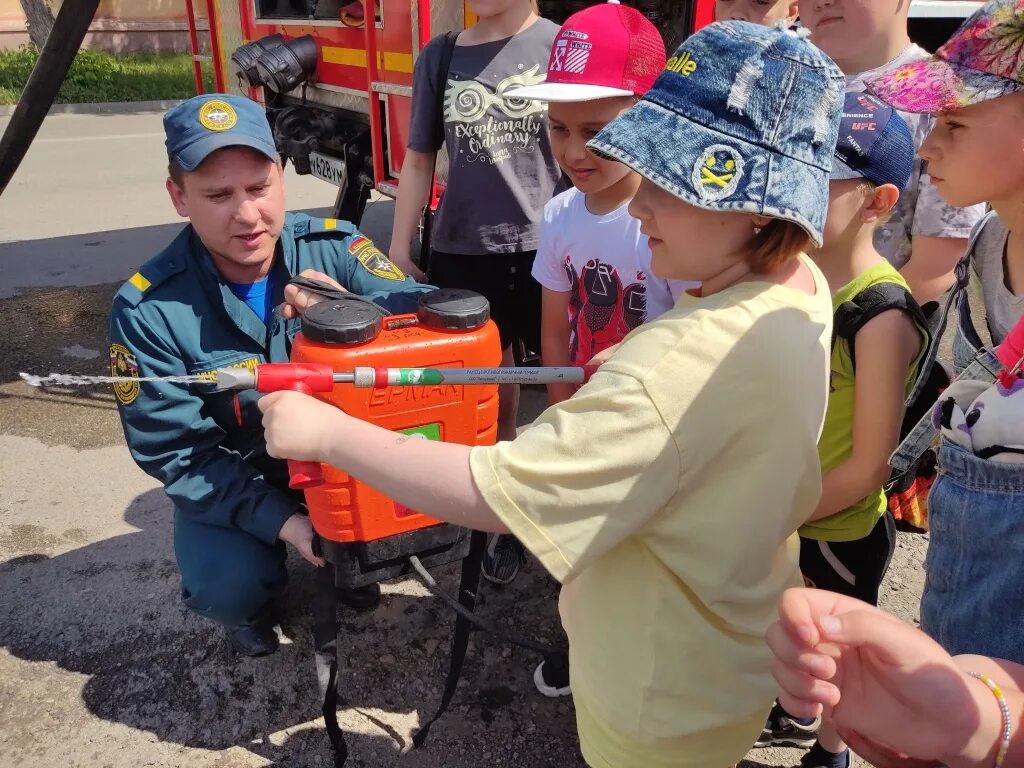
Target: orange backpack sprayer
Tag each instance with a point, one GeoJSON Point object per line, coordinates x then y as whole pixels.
{"type": "Point", "coordinates": [364, 534]}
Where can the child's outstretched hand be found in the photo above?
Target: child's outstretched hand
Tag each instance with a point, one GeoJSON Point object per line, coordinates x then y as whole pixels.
{"type": "Point", "coordinates": [894, 694]}
{"type": "Point", "coordinates": [298, 426]}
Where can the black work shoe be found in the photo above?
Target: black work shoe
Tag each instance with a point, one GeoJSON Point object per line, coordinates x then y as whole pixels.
{"type": "Point", "coordinates": [254, 640]}
{"type": "Point", "coordinates": [502, 559]}
{"type": "Point", "coordinates": [360, 598]}
{"type": "Point", "coordinates": [782, 730]}
{"type": "Point", "coordinates": [552, 676]}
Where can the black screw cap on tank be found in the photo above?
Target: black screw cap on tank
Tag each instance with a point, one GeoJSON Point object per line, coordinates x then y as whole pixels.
{"type": "Point", "coordinates": [342, 321]}
{"type": "Point", "coordinates": [453, 309]}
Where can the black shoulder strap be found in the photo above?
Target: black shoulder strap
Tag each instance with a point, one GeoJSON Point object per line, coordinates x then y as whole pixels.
{"type": "Point", "coordinates": [854, 314]}
{"type": "Point", "coordinates": [447, 51]}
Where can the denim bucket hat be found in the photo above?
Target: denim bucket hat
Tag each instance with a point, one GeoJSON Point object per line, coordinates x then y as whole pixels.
{"type": "Point", "coordinates": [743, 118]}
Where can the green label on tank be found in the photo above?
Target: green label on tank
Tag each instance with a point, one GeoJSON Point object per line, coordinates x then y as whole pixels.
{"type": "Point", "coordinates": [419, 376]}
{"type": "Point", "coordinates": [429, 431]}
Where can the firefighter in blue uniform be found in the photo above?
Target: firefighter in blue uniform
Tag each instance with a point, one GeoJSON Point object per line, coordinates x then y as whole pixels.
{"type": "Point", "coordinates": [208, 301]}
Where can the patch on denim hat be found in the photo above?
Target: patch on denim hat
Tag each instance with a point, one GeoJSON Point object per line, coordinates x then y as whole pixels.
{"type": "Point", "coordinates": [717, 172]}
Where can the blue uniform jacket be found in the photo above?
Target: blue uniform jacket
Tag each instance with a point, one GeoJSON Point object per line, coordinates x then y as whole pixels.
{"type": "Point", "coordinates": [177, 316]}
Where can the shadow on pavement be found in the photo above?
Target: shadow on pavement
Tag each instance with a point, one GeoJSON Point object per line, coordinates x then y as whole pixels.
{"type": "Point", "coordinates": [110, 610]}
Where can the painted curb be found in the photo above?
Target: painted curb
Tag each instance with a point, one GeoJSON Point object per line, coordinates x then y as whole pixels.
{"type": "Point", "coordinates": [102, 108]}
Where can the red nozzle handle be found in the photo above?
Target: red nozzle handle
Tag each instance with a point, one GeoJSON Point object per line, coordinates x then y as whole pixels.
{"type": "Point", "coordinates": [304, 474]}
{"type": "Point", "coordinates": [296, 377]}
{"type": "Point", "coordinates": [301, 377]}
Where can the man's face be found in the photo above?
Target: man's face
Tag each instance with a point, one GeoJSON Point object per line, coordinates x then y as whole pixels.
{"type": "Point", "coordinates": [841, 28]}
{"type": "Point", "coordinates": [235, 201]}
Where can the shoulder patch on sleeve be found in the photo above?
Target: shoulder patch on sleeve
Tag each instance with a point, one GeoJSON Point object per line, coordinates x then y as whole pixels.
{"type": "Point", "coordinates": [372, 259]}
{"type": "Point", "coordinates": [325, 227]}
{"type": "Point", "coordinates": [125, 367]}
{"type": "Point", "coordinates": [149, 276]}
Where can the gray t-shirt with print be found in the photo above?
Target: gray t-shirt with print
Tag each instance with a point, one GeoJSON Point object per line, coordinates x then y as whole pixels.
{"type": "Point", "coordinates": [501, 170]}
{"type": "Point", "coordinates": [920, 210]}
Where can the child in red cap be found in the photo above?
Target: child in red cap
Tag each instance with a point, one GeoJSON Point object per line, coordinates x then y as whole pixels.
{"type": "Point", "coordinates": [591, 254]}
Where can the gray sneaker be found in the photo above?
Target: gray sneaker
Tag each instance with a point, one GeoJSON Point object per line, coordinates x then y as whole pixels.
{"type": "Point", "coordinates": [502, 559]}
{"type": "Point", "coordinates": [782, 730]}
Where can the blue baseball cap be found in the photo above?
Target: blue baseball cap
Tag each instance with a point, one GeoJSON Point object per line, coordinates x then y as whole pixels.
{"type": "Point", "coordinates": [743, 118]}
{"type": "Point", "coordinates": [203, 124]}
{"type": "Point", "coordinates": [874, 143]}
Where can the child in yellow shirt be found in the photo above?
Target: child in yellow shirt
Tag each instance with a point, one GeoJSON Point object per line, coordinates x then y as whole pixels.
{"type": "Point", "coordinates": [665, 495]}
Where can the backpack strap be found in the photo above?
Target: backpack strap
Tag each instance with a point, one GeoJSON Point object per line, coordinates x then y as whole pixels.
{"type": "Point", "coordinates": [427, 220]}
{"type": "Point", "coordinates": [854, 314]}
{"type": "Point", "coordinates": [445, 64]}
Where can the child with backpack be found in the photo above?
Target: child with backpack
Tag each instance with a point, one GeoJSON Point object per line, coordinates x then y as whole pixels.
{"type": "Point", "coordinates": [627, 492]}
{"type": "Point", "coordinates": [501, 173]}
{"type": "Point", "coordinates": [846, 544]}
{"type": "Point", "coordinates": [925, 236]}
{"type": "Point", "coordinates": [974, 85]}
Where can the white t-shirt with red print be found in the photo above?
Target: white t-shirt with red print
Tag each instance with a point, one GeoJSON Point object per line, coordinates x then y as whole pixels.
{"type": "Point", "coordinates": [598, 260]}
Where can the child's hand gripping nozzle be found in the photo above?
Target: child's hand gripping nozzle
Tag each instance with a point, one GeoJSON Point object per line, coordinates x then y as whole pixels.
{"type": "Point", "coordinates": [278, 377]}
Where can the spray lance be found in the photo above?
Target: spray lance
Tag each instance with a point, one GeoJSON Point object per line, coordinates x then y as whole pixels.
{"type": "Point", "coordinates": [309, 378]}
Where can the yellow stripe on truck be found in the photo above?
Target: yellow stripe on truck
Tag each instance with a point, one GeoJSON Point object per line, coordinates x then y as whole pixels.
{"type": "Point", "coordinates": [356, 57]}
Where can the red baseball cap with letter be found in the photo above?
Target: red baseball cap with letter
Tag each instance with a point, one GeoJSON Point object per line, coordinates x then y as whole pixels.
{"type": "Point", "coordinates": [602, 51]}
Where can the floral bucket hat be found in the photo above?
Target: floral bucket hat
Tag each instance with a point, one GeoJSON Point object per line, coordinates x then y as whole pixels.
{"type": "Point", "coordinates": [983, 60]}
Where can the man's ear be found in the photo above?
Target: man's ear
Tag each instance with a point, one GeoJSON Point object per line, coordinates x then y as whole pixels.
{"type": "Point", "coordinates": [880, 202]}
{"type": "Point", "coordinates": [792, 13]}
{"type": "Point", "coordinates": [177, 197]}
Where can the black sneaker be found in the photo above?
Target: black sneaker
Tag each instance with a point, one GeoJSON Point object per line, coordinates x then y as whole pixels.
{"type": "Point", "coordinates": [782, 730]}
{"type": "Point", "coordinates": [254, 640]}
{"type": "Point", "coordinates": [502, 559]}
{"type": "Point", "coordinates": [552, 676]}
{"type": "Point", "coordinates": [818, 758]}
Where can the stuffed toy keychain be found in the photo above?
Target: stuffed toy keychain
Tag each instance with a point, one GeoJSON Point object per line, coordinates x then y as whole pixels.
{"type": "Point", "coordinates": [985, 419]}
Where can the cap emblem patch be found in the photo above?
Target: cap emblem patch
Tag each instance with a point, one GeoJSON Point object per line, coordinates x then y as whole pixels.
{"type": "Point", "coordinates": [217, 115]}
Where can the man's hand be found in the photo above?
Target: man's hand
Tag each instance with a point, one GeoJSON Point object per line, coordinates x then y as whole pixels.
{"type": "Point", "coordinates": [298, 426]}
{"type": "Point", "coordinates": [298, 531]}
{"type": "Point", "coordinates": [893, 693]}
{"type": "Point", "coordinates": [403, 260]}
{"type": "Point", "coordinates": [298, 300]}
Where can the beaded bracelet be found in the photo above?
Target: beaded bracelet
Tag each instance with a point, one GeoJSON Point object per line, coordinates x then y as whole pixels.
{"type": "Point", "coordinates": [1004, 708]}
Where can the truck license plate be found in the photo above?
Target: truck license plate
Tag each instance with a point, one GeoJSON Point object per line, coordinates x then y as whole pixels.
{"type": "Point", "coordinates": [329, 169]}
